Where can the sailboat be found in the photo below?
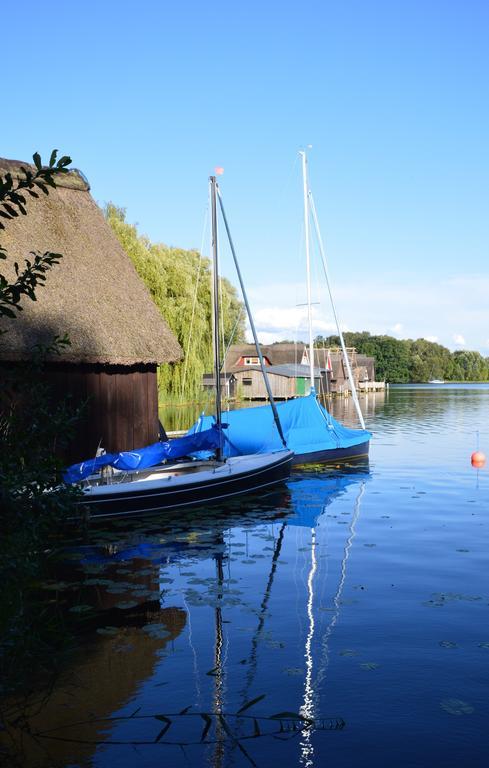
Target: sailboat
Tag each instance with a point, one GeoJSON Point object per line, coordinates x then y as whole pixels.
{"type": "Point", "coordinates": [309, 429]}
{"type": "Point", "coordinates": [153, 479]}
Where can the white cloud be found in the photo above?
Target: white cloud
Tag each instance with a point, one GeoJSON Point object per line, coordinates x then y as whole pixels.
{"type": "Point", "coordinates": [434, 339]}
{"type": "Point", "coordinates": [454, 308]}
{"type": "Point", "coordinates": [290, 319]}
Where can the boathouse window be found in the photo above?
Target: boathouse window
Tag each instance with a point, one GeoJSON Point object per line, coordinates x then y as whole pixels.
{"type": "Point", "coordinates": [247, 382]}
{"type": "Point", "coordinates": [251, 361]}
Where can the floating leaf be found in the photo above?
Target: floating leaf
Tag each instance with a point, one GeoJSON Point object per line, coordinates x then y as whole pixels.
{"type": "Point", "coordinates": [81, 608]}
{"type": "Point", "coordinates": [56, 586]}
{"type": "Point", "coordinates": [456, 707]}
{"type": "Point", "coordinates": [107, 631]}
{"type": "Point", "coordinates": [159, 631]}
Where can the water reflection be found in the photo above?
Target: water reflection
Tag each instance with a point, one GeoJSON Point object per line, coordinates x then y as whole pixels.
{"type": "Point", "coordinates": [352, 593]}
{"type": "Point", "coordinates": [143, 585]}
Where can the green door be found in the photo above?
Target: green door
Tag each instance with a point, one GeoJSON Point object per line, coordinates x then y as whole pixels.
{"type": "Point", "coordinates": [300, 386]}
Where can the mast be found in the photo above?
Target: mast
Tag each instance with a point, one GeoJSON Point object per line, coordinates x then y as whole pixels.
{"type": "Point", "coordinates": [308, 267]}
{"type": "Point", "coordinates": [252, 324]}
{"type": "Point", "coordinates": [215, 306]}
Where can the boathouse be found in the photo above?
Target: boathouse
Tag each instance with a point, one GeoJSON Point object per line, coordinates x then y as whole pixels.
{"type": "Point", "coordinates": [286, 381]}
{"type": "Point", "coordinates": [94, 295]}
{"type": "Point", "coordinates": [228, 384]}
{"type": "Point", "coordinates": [331, 375]}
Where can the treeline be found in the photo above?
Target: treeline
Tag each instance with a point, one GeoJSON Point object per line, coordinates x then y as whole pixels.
{"type": "Point", "coordinates": [179, 282]}
{"type": "Point", "coordinates": [405, 360]}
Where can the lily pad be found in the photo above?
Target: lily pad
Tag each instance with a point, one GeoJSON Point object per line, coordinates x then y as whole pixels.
{"type": "Point", "coordinates": [56, 586]}
{"type": "Point", "coordinates": [81, 608]}
{"type": "Point", "coordinates": [293, 671]}
{"type": "Point", "coordinates": [456, 707]}
{"type": "Point", "coordinates": [156, 631]}
{"type": "Point", "coordinates": [107, 631]}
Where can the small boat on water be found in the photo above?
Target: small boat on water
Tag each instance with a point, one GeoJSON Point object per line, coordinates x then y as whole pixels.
{"type": "Point", "coordinates": [307, 426]}
{"type": "Point", "coordinates": [170, 474]}
{"type": "Point", "coordinates": [436, 381]}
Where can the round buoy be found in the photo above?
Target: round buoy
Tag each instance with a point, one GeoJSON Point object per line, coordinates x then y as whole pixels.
{"type": "Point", "coordinates": [478, 459]}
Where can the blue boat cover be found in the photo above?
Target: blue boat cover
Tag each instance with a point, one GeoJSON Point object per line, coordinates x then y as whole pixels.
{"type": "Point", "coordinates": [306, 424]}
{"type": "Point", "coordinates": [142, 458]}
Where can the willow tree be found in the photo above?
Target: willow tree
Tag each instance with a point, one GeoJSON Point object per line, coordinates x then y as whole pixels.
{"type": "Point", "coordinates": [179, 282]}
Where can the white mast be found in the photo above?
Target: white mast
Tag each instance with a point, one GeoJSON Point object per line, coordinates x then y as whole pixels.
{"type": "Point", "coordinates": [308, 266]}
{"type": "Point", "coordinates": [340, 334]}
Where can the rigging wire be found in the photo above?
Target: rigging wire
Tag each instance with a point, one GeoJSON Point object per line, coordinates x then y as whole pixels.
{"type": "Point", "coordinates": [333, 307]}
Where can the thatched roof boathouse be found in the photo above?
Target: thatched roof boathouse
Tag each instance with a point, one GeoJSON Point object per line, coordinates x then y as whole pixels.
{"type": "Point", "coordinates": [118, 337]}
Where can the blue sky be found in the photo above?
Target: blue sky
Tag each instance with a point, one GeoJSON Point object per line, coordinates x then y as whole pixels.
{"type": "Point", "coordinates": [149, 97]}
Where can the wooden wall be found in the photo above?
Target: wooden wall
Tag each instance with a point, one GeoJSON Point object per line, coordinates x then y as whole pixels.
{"type": "Point", "coordinates": [121, 411]}
{"type": "Point", "coordinates": [282, 387]}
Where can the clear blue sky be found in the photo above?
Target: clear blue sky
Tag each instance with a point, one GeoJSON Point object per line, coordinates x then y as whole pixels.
{"type": "Point", "coordinates": [147, 97]}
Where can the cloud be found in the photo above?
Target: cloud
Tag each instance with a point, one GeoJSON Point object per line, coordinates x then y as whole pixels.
{"type": "Point", "coordinates": [291, 320]}
{"type": "Point", "coordinates": [453, 308]}
{"type": "Point", "coordinates": [434, 339]}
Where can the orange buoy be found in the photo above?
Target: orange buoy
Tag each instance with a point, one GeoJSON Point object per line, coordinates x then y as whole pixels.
{"type": "Point", "coordinates": [478, 459]}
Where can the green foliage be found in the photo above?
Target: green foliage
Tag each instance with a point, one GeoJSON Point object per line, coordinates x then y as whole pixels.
{"type": "Point", "coordinates": [179, 282]}
{"type": "Point", "coordinates": [12, 203]}
{"type": "Point", "coordinates": [404, 360]}
{"type": "Point", "coordinates": [33, 429]}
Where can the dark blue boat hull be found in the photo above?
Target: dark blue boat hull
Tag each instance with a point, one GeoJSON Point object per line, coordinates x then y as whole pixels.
{"type": "Point", "coordinates": [332, 455]}
{"type": "Point", "coordinates": [139, 501]}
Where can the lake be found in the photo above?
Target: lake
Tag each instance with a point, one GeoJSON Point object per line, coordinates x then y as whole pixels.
{"type": "Point", "coordinates": [341, 620]}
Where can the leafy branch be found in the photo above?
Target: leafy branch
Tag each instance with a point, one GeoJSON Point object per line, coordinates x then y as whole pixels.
{"type": "Point", "coordinates": [12, 203]}
{"type": "Point", "coordinates": [12, 199]}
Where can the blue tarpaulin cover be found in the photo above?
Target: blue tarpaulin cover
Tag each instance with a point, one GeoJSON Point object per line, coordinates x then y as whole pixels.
{"type": "Point", "coordinates": [306, 425]}
{"type": "Point", "coordinates": [142, 458]}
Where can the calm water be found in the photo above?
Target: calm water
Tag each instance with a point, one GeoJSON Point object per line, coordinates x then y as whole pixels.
{"type": "Point", "coordinates": [358, 599]}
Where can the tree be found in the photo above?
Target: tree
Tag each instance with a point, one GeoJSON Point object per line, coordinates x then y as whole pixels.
{"type": "Point", "coordinates": [179, 282]}
{"type": "Point", "coordinates": [404, 360]}
{"type": "Point", "coordinates": [32, 501]}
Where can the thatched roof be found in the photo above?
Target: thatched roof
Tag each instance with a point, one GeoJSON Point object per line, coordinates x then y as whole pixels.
{"type": "Point", "coordinates": [94, 294]}
{"type": "Point", "coordinates": [278, 354]}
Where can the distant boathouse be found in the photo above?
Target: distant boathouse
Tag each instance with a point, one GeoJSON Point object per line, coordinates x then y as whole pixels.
{"type": "Point", "coordinates": [288, 370]}
{"type": "Point", "coordinates": [118, 336]}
